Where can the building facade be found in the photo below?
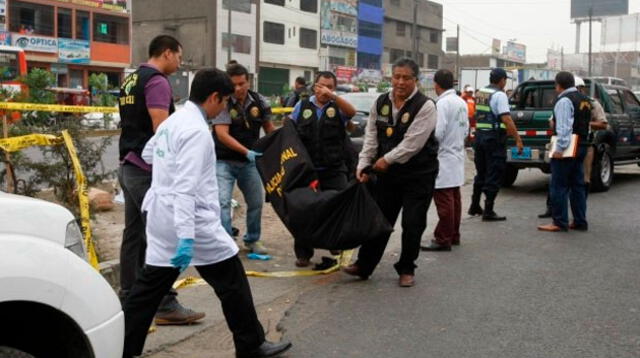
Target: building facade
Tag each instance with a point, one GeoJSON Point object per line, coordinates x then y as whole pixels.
{"type": "Point", "coordinates": [71, 38]}
{"type": "Point", "coordinates": [289, 45]}
{"type": "Point", "coordinates": [370, 30]}
{"type": "Point", "coordinates": [398, 33]}
{"type": "Point", "coordinates": [339, 38]}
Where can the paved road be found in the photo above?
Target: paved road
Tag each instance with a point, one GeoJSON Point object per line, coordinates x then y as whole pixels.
{"type": "Point", "coordinates": [508, 291]}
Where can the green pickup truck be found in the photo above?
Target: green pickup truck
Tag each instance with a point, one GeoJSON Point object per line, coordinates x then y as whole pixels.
{"type": "Point", "coordinates": [531, 109]}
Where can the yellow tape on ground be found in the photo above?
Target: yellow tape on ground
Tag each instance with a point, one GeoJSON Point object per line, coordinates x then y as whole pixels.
{"type": "Point", "coordinates": [17, 143]}
{"type": "Point", "coordinates": [282, 110]}
{"type": "Point", "coordinates": [343, 260]}
{"type": "Point", "coordinates": [14, 106]}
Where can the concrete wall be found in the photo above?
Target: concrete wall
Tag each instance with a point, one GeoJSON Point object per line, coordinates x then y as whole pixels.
{"type": "Point", "coordinates": [241, 24]}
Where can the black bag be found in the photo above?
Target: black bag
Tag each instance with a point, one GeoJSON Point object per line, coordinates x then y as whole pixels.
{"type": "Point", "coordinates": [332, 220]}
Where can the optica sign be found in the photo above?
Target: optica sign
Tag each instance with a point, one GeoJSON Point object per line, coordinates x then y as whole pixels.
{"type": "Point", "coordinates": [34, 43]}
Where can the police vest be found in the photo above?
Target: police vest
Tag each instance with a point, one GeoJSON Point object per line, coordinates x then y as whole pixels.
{"type": "Point", "coordinates": [488, 122]}
{"type": "Point", "coordinates": [245, 127]}
{"type": "Point", "coordinates": [581, 115]}
{"type": "Point", "coordinates": [390, 134]}
{"type": "Point", "coordinates": [324, 138]}
{"type": "Point", "coordinates": [135, 120]}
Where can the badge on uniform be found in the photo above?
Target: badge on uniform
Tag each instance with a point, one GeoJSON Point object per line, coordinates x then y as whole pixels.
{"type": "Point", "coordinates": [307, 114]}
{"type": "Point", "coordinates": [255, 112]}
{"type": "Point", "coordinates": [389, 132]}
{"type": "Point", "coordinates": [385, 110]}
{"type": "Point", "coordinates": [405, 118]}
{"type": "Point", "coordinates": [331, 112]}
{"type": "Point", "coordinates": [233, 113]}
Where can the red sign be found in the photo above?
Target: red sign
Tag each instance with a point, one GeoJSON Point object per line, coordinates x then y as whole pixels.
{"type": "Point", "coordinates": [345, 73]}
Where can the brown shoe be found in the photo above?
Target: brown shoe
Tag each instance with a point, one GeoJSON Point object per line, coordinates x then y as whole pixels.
{"type": "Point", "coordinates": [178, 316]}
{"type": "Point", "coordinates": [303, 262]}
{"type": "Point", "coordinates": [354, 270]}
{"type": "Point", "coordinates": [406, 280]}
{"type": "Point", "coordinates": [551, 228]}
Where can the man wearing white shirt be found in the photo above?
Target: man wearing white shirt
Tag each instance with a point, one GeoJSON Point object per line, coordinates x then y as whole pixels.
{"type": "Point", "coordinates": [451, 130]}
{"type": "Point", "coordinates": [184, 227]}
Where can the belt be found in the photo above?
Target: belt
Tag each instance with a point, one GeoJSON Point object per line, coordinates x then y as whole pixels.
{"type": "Point", "coordinates": [489, 126]}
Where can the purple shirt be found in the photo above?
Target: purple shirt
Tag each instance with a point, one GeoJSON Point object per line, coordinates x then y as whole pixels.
{"type": "Point", "coordinates": [157, 91]}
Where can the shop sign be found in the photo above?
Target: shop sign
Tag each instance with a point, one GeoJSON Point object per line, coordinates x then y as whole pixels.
{"type": "Point", "coordinates": [337, 38]}
{"type": "Point", "coordinates": [35, 43]}
{"type": "Point", "coordinates": [74, 51]}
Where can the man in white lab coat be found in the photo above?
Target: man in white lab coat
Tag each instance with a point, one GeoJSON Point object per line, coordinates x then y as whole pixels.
{"type": "Point", "coordinates": [184, 228]}
{"type": "Point", "coordinates": [451, 131]}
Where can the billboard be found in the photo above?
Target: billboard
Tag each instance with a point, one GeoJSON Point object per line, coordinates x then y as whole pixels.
{"type": "Point", "coordinates": [452, 44]}
{"type": "Point", "coordinates": [113, 5]}
{"type": "Point", "coordinates": [601, 8]}
{"type": "Point", "coordinates": [516, 52]}
{"type": "Point", "coordinates": [35, 43]}
{"type": "Point", "coordinates": [74, 51]}
{"type": "Point", "coordinates": [338, 26]}
{"type": "Point", "coordinates": [620, 33]}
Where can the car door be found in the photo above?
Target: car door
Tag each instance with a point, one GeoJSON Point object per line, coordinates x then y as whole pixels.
{"type": "Point", "coordinates": [632, 107]}
{"type": "Point", "coordinates": [621, 125]}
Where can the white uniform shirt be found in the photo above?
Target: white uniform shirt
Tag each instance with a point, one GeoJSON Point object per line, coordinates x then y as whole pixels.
{"type": "Point", "coordinates": [183, 199]}
{"type": "Point", "coordinates": [451, 131]}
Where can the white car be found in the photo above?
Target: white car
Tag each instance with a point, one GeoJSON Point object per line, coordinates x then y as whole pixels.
{"type": "Point", "coordinates": [52, 302]}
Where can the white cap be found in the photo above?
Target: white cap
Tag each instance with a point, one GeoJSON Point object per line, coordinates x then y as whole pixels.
{"type": "Point", "coordinates": [469, 89]}
{"type": "Point", "coordinates": [579, 82]}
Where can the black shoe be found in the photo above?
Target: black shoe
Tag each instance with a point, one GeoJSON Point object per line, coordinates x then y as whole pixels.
{"type": "Point", "coordinates": [266, 349]}
{"type": "Point", "coordinates": [235, 232]}
{"type": "Point", "coordinates": [434, 246]}
{"type": "Point", "coordinates": [492, 216]}
{"type": "Point", "coordinates": [475, 210]}
{"type": "Point", "coordinates": [546, 215]}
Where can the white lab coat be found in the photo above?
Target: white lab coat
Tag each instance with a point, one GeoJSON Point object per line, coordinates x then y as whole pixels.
{"type": "Point", "coordinates": [451, 131]}
{"type": "Point", "coordinates": [183, 199]}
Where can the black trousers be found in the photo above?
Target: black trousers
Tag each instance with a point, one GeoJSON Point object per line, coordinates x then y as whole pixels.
{"type": "Point", "coordinates": [329, 180]}
{"type": "Point", "coordinates": [230, 285]}
{"type": "Point", "coordinates": [135, 183]}
{"type": "Point", "coordinates": [490, 158]}
{"type": "Point", "coordinates": [412, 196]}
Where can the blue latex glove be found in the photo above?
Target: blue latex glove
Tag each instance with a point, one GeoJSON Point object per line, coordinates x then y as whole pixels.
{"type": "Point", "coordinates": [184, 254]}
{"type": "Point", "coordinates": [251, 155]}
{"type": "Point", "coordinates": [254, 256]}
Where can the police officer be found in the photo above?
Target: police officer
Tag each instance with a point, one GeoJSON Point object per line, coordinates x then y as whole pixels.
{"type": "Point", "coordinates": [493, 125]}
{"type": "Point", "coordinates": [321, 122]}
{"type": "Point", "coordinates": [145, 102]}
{"type": "Point", "coordinates": [236, 130]}
{"type": "Point", "coordinates": [400, 143]}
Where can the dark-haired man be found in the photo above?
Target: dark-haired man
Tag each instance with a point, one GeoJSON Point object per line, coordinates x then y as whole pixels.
{"type": "Point", "coordinates": [145, 102]}
{"type": "Point", "coordinates": [300, 92]}
{"type": "Point", "coordinates": [451, 131]}
{"type": "Point", "coordinates": [236, 130]}
{"type": "Point", "coordinates": [184, 224]}
{"type": "Point", "coordinates": [321, 122]}
{"type": "Point", "coordinates": [572, 114]}
{"type": "Point", "coordinates": [400, 143]}
{"type": "Point", "coordinates": [493, 125]}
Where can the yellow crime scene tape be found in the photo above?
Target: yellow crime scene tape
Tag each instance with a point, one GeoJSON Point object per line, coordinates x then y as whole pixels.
{"type": "Point", "coordinates": [282, 110]}
{"type": "Point", "coordinates": [16, 106]}
{"type": "Point", "coordinates": [343, 260]}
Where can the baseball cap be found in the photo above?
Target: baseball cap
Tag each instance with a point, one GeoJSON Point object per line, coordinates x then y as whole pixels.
{"type": "Point", "coordinates": [469, 89]}
{"type": "Point", "coordinates": [498, 73]}
{"type": "Point", "coordinates": [579, 82]}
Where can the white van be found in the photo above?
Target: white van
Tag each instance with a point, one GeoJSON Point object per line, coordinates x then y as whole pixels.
{"type": "Point", "coordinates": [52, 302]}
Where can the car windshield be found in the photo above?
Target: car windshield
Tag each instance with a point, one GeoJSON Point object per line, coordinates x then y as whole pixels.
{"type": "Point", "coordinates": [363, 103]}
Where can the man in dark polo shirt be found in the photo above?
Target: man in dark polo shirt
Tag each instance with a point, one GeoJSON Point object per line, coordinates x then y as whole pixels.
{"type": "Point", "coordinates": [145, 102]}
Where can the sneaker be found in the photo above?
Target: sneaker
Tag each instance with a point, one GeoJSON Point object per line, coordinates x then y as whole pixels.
{"type": "Point", "coordinates": [256, 247]}
{"type": "Point", "coordinates": [179, 315]}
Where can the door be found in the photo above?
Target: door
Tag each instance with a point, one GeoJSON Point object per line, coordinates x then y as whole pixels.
{"type": "Point", "coordinates": [632, 107]}
{"type": "Point", "coordinates": [621, 124]}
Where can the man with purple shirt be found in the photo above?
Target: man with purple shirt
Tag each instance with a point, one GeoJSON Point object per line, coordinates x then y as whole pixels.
{"type": "Point", "coordinates": [145, 102]}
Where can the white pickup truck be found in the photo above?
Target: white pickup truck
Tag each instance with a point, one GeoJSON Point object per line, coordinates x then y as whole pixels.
{"type": "Point", "coordinates": [52, 302]}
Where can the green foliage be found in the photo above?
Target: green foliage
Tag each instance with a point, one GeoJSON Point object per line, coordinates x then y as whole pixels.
{"type": "Point", "coordinates": [37, 82]}
{"type": "Point", "coordinates": [383, 86]}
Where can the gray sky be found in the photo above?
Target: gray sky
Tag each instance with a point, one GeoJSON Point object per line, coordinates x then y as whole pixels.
{"type": "Point", "coordinates": [539, 24]}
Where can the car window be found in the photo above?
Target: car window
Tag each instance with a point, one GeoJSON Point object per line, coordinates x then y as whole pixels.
{"type": "Point", "coordinates": [362, 103]}
{"type": "Point", "coordinates": [631, 102]}
{"type": "Point", "coordinates": [530, 98]}
{"type": "Point", "coordinates": [617, 102]}
{"type": "Point", "coordinates": [549, 96]}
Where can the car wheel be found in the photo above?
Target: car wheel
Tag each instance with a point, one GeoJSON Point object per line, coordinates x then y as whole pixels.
{"type": "Point", "coordinates": [602, 174]}
{"type": "Point", "coordinates": [510, 176]}
{"type": "Point", "coordinates": [8, 352]}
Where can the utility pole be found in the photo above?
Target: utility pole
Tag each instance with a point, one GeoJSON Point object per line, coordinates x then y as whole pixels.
{"type": "Point", "coordinates": [458, 54]}
{"type": "Point", "coordinates": [229, 36]}
{"type": "Point", "coordinates": [590, 37]}
{"type": "Point", "coordinates": [414, 47]}
{"type": "Point", "coordinates": [562, 59]}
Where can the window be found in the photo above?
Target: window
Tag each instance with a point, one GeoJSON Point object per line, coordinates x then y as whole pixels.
{"type": "Point", "coordinates": [83, 25]}
{"type": "Point", "coordinates": [275, 2]}
{"type": "Point", "coordinates": [64, 23]}
{"type": "Point", "coordinates": [434, 37]}
{"type": "Point", "coordinates": [110, 29]}
{"type": "Point", "coordinates": [617, 103]}
{"type": "Point", "coordinates": [420, 59]}
{"type": "Point", "coordinates": [376, 3]}
{"type": "Point", "coordinates": [395, 55]}
{"type": "Point", "coordinates": [30, 18]}
{"type": "Point", "coordinates": [345, 23]}
{"type": "Point", "coordinates": [432, 62]}
{"type": "Point", "coordinates": [395, 3]}
{"type": "Point", "coordinates": [237, 5]}
{"type": "Point", "coordinates": [9, 65]}
{"type": "Point", "coordinates": [308, 38]}
{"type": "Point", "coordinates": [337, 61]}
{"type": "Point", "coordinates": [240, 44]}
{"type": "Point", "coordinates": [273, 33]}
{"type": "Point", "coordinates": [369, 29]}
{"type": "Point", "coordinates": [368, 61]}
{"type": "Point", "coordinates": [76, 78]}
{"type": "Point", "coordinates": [401, 30]}
{"type": "Point", "coordinates": [309, 5]}
{"type": "Point", "coordinates": [630, 100]}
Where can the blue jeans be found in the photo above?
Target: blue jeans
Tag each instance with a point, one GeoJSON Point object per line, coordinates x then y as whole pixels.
{"type": "Point", "coordinates": [250, 184]}
{"type": "Point", "coordinates": [567, 181]}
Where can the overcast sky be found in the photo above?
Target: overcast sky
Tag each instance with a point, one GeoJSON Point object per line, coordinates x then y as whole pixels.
{"type": "Point", "coordinates": [539, 24]}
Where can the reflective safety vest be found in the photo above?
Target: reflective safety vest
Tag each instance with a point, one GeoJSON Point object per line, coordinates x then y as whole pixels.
{"type": "Point", "coordinates": [486, 120]}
